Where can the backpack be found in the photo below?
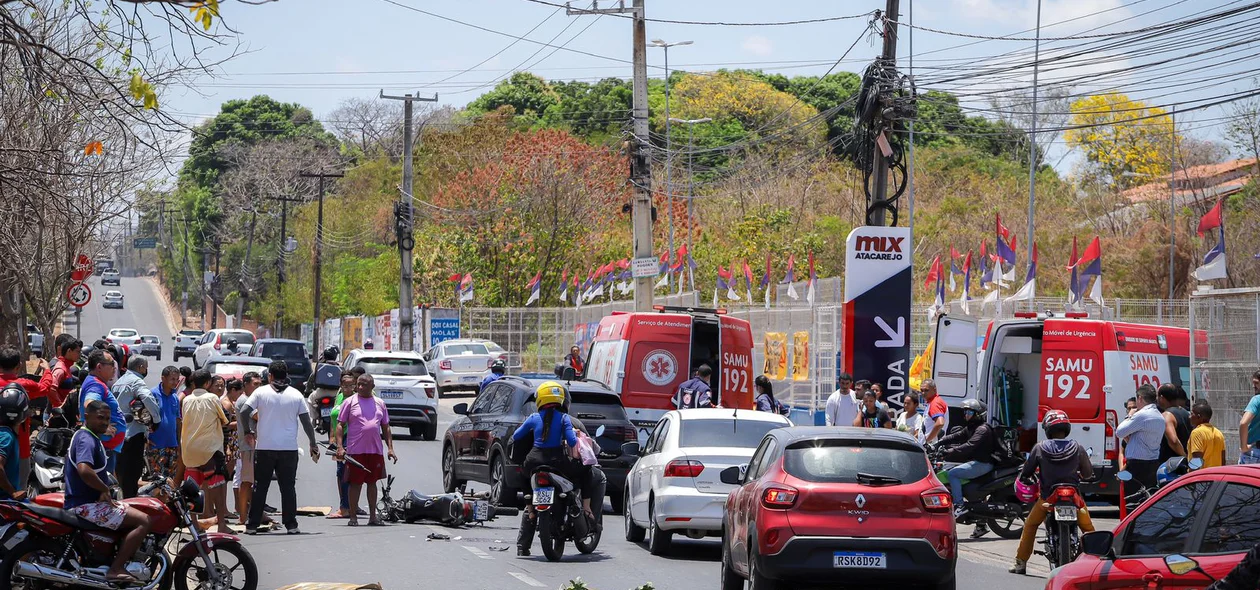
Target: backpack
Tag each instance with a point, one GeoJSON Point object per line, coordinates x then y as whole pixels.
{"type": "Point", "coordinates": [328, 376]}
{"type": "Point", "coordinates": [1005, 445]}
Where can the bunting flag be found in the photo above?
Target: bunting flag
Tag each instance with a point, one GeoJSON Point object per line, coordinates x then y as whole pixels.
{"type": "Point", "coordinates": [1028, 291]}
{"type": "Point", "coordinates": [1090, 265]}
{"type": "Point", "coordinates": [564, 286]}
{"type": "Point", "coordinates": [1212, 220]}
{"type": "Point", "coordinates": [535, 289]}
{"type": "Point", "coordinates": [934, 272]}
{"type": "Point", "coordinates": [1003, 232]}
{"type": "Point", "coordinates": [790, 278]}
{"type": "Point", "coordinates": [953, 268]}
{"type": "Point", "coordinates": [683, 255]}
{"type": "Point", "coordinates": [455, 280]}
{"type": "Point", "coordinates": [986, 271]}
{"type": "Point", "coordinates": [664, 274]}
{"type": "Point", "coordinates": [765, 278]}
{"type": "Point", "coordinates": [466, 289]}
{"type": "Point", "coordinates": [1214, 263]}
{"type": "Point", "coordinates": [747, 279]}
{"type": "Point", "coordinates": [1005, 252]}
{"type": "Point", "coordinates": [577, 292]}
{"type": "Point", "coordinates": [966, 293]}
{"type": "Point", "coordinates": [813, 281]}
{"type": "Point", "coordinates": [1074, 283]}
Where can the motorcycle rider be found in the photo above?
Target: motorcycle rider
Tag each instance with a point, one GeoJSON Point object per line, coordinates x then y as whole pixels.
{"type": "Point", "coordinates": [324, 380]}
{"type": "Point", "coordinates": [497, 369]}
{"type": "Point", "coordinates": [551, 428]}
{"type": "Point", "coordinates": [970, 449]}
{"type": "Point", "coordinates": [13, 406]}
{"type": "Point", "coordinates": [1060, 461]}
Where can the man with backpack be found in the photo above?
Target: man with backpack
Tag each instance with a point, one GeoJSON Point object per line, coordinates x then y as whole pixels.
{"type": "Point", "coordinates": [324, 382]}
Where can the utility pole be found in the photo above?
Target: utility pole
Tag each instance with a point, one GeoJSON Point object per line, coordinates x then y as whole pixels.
{"type": "Point", "coordinates": [691, 199]}
{"type": "Point", "coordinates": [1172, 208]}
{"type": "Point", "coordinates": [319, 251]}
{"type": "Point", "coordinates": [1032, 143]}
{"type": "Point", "coordinates": [669, 156]}
{"type": "Point", "coordinates": [880, 169]}
{"type": "Point", "coordinates": [406, 222]}
{"type": "Point", "coordinates": [215, 285]}
{"type": "Point", "coordinates": [640, 164]}
{"type": "Point", "coordinates": [280, 259]}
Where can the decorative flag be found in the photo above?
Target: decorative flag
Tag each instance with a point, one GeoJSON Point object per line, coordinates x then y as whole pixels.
{"type": "Point", "coordinates": [1074, 283]}
{"type": "Point", "coordinates": [1028, 291]}
{"type": "Point", "coordinates": [1212, 219]}
{"type": "Point", "coordinates": [765, 277]}
{"type": "Point", "coordinates": [623, 264]}
{"type": "Point", "coordinates": [953, 268]}
{"type": "Point", "coordinates": [564, 286]}
{"type": "Point", "coordinates": [986, 271]}
{"type": "Point", "coordinates": [1214, 263]}
{"type": "Point", "coordinates": [455, 279]}
{"type": "Point", "coordinates": [535, 289]}
{"type": "Point", "coordinates": [1003, 232]}
{"type": "Point", "coordinates": [934, 272]}
{"type": "Point", "coordinates": [1004, 252]}
{"type": "Point", "coordinates": [966, 294]}
{"type": "Point", "coordinates": [682, 255]}
{"type": "Point", "coordinates": [466, 288]}
{"type": "Point", "coordinates": [813, 280]}
{"type": "Point", "coordinates": [1091, 261]}
{"type": "Point", "coordinates": [747, 279]}
{"type": "Point", "coordinates": [664, 280]}
{"type": "Point", "coordinates": [791, 277]}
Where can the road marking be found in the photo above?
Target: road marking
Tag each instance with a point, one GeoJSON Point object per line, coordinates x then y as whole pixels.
{"type": "Point", "coordinates": [528, 580]}
{"type": "Point", "coordinates": [477, 552]}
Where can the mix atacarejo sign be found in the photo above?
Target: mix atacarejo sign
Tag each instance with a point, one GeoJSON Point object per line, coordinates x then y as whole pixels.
{"type": "Point", "coordinates": [875, 343]}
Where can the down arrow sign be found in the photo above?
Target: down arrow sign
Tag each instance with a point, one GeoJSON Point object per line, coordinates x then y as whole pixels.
{"type": "Point", "coordinates": [896, 338]}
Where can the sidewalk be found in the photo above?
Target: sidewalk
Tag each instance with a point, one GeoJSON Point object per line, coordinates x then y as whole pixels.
{"type": "Point", "coordinates": [993, 550]}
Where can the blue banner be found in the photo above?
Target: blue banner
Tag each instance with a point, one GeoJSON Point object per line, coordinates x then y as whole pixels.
{"type": "Point", "coordinates": [443, 329]}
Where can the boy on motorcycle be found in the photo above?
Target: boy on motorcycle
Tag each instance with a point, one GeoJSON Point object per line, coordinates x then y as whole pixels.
{"type": "Point", "coordinates": [551, 429]}
{"type": "Point", "coordinates": [1060, 461]}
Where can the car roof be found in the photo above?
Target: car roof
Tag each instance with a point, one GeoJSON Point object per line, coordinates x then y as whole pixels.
{"type": "Point", "coordinates": [800, 433]}
{"type": "Point", "coordinates": [239, 360]}
{"type": "Point", "coordinates": [234, 330]}
{"type": "Point", "coordinates": [191, 331]}
{"type": "Point", "coordinates": [722, 413]}
{"type": "Point", "coordinates": [278, 341]}
{"type": "Point", "coordinates": [573, 386]}
{"type": "Point", "coordinates": [399, 354]}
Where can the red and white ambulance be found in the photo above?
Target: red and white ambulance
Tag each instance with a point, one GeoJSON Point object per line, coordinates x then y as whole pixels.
{"type": "Point", "coordinates": [1087, 367]}
{"type": "Point", "coordinates": [645, 356]}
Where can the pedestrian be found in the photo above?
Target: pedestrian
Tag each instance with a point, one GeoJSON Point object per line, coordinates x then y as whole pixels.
{"type": "Point", "coordinates": [1248, 428]}
{"type": "Point", "coordinates": [497, 370]}
{"type": "Point", "coordinates": [871, 414]}
{"type": "Point", "coordinates": [574, 359]}
{"type": "Point", "coordinates": [765, 400]}
{"type": "Point", "coordinates": [937, 411]}
{"type": "Point", "coordinates": [100, 373]}
{"type": "Point", "coordinates": [1130, 405]}
{"type": "Point", "coordinates": [911, 421]}
{"type": "Point", "coordinates": [1207, 444]}
{"type": "Point", "coordinates": [231, 442]}
{"type": "Point", "coordinates": [273, 434]}
{"type": "Point", "coordinates": [842, 405]}
{"type": "Point", "coordinates": [69, 349]}
{"type": "Point", "coordinates": [201, 444]}
{"type": "Point", "coordinates": [10, 364]}
{"type": "Point", "coordinates": [14, 406]}
{"type": "Point", "coordinates": [1176, 423]}
{"type": "Point", "coordinates": [132, 394]}
{"type": "Point", "coordinates": [162, 450]}
{"type": "Point", "coordinates": [880, 395]}
{"type": "Point", "coordinates": [860, 387]}
{"type": "Point", "coordinates": [695, 392]}
{"type": "Point", "coordinates": [1142, 432]}
{"type": "Point", "coordinates": [348, 380]}
{"type": "Point", "coordinates": [361, 424]}
{"type": "Point", "coordinates": [243, 475]}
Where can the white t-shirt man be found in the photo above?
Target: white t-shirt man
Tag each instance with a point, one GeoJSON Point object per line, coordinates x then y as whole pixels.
{"type": "Point", "coordinates": [278, 415]}
{"type": "Point", "coordinates": [842, 408]}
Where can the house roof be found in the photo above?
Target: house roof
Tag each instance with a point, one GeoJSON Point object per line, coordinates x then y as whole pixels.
{"type": "Point", "coordinates": [1209, 181]}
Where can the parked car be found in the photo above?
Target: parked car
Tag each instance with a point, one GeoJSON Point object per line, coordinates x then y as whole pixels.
{"type": "Point", "coordinates": [235, 366]}
{"type": "Point", "coordinates": [459, 364]}
{"type": "Point", "coordinates": [128, 336]}
{"type": "Point", "coordinates": [477, 446]}
{"type": "Point", "coordinates": [405, 385]}
{"type": "Point", "coordinates": [111, 277]}
{"type": "Point", "coordinates": [186, 343]}
{"type": "Point", "coordinates": [216, 342]}
{"type": "Point", "coordinates": [112, 299]}
{"type": "Point", "coordinates": [1207, 516]}
{"type": "Point", "coordinates": [151, 346]}
{"type": "Point", "coordinates": [34, 340]}
{"type": "Point", "coordinates": [292, 352]}
{"type": "Point", "coordinates": [674, 487]}
{"type": "Point", "coordinates": [828, 505]}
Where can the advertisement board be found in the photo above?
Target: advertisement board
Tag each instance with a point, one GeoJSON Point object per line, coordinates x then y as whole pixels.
{"type": "Point", "coordinates": [875, 344]}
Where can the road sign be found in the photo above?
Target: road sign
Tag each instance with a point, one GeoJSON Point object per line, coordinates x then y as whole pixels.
{"type": "Point", "coordinates": [78, 294]}
{"type": "Point", "coordinates": [144, 243]}
{"type": "Point", "coordinates": [82, 269]}
{"type": "Point", "coordinates": [646, 268]}
{"type": "Point", "coordinates": [876, 340]}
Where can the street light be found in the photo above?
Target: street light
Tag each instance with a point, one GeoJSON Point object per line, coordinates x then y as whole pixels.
{"type": "Point", "coordinates": [691, 201]}
{"type": "Point", "coordinates": [669, 156]}
{"type": "Point", "coordinates": [1172, 224]}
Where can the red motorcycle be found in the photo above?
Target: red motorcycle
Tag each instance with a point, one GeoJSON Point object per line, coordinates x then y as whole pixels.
{"type": "Point", "coordinates": [45, 545]}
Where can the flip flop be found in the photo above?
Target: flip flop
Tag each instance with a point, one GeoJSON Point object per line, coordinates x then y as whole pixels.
{"type": "Point", "coordinates": [336, 515]}
{"type": "Point", "coordinates": [353, 522]}
{"type": "Point", "coordinates": [376, 523]}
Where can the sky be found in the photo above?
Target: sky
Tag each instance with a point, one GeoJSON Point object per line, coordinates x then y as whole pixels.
{"type": "Point", "coordinates": [321, 52]}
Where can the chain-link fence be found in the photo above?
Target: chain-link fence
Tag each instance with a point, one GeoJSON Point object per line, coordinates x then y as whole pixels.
{"type": "Point", "coordinates": [1222, 364]}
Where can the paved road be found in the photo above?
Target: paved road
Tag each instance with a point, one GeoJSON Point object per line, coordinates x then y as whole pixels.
{"type": "Point", "coordinates": [401, 556]}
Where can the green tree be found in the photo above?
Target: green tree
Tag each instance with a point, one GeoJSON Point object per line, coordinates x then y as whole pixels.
{"type": "Point", "coordinates": [528, 94]}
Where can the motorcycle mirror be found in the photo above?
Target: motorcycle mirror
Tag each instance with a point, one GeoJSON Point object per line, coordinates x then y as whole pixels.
{"type": "Point", "coordinates": [1180, 565]}
{"type": "Point", "coordinates": [599, 431]}
{"type": "Point", "coordinates": [1124, 476]}
{"type": "Point", "coordinates": [1196, 464]}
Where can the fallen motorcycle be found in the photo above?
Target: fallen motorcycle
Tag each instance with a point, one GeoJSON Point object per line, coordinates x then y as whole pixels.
{"type": "Point", "coordinates": [454, 510]}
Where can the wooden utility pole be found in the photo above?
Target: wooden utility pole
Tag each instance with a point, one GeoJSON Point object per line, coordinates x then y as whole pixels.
{"type": "Point", "coordinates": [319, 251]}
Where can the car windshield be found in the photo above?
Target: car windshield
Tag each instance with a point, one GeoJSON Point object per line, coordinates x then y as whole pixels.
{"type": "Point", "coordinates": [390, 366]}
{"type": "Point", "coordinates": [114, 294]}
{"type": "Point", "coordinates": [288, 350]}
{"type": "Point", "coordinates": [241, 337]}
{"type": "Point", "coordinates": [841, 461]}
{"type": "Point", "coordinates": [150, 339]}
{"type": "Point", "coordinates": [191, 333]}
{"type": "Point", "coordinates": [233, 369]}
{"type": "Point", "coordinates": [458, 349]}
{"type": "Point", "coordinates": [123, 333]}
{"type": "Point", "coordinates": [725, 432]}
{"type": "Point", "coordinates": [597, 407]}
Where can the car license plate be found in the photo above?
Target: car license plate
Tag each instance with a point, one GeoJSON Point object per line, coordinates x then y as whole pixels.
{"type": "Point", "coordinates": [325, 412]}
{"type": "Point", "coordinates": [1065, 513]}
{"type": "Point", "coordinates": [391, 394]}
{"type": "Point", "coordinates": [544, 496]}
{"type": "Point", "coordinates": [481, 511]}
{"type": "Point", "coordinates": [472, 379]}
{"type": "Point", "coordinates": [859, 559]}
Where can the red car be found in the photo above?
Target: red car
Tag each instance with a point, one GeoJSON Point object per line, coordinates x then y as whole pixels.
{"type": "Point", "coordinates": [1209, 518]}
{"type": "Point", "coordinates": [820, 505]}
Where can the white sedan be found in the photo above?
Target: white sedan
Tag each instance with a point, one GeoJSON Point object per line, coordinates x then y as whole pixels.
{"type": "Point", "coordinates": [675, 485]}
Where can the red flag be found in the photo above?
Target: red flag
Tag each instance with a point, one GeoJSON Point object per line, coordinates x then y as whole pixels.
{"type": "Point", "coordinates": [1003, 231]}
{"type": "Point", "coordinates": [457, 277]}
{"type": "Point", "coordinates": [1212, 220]}
{"type": "Point", "coordinates": [534, 281]}
{"type": "Point", "coordinates": [812, 276]}
{"type": "Point", "coordinates": [934, 272]}
{"type": "Point", "coordinates": [725, 274]}
{"type": "Point", "coordinates": [967, 263]}
{"type": "Point", "coordinates": [664, 257]}
{"type": "Point", "coordinates": [1072, 260]}
{"type": "Point", "coordinates": [464, 284]}
{"type": "Point", "coordinates": [747, 274]}
{"type": "Point", "coordinates": [984, 250]}
{"type": "Point", "coordinates": [954, 254]}
{"type": "Point", "coordinates": [564, 276]}
{"type": "Point", "coordinates": [623, 264]}
{"type": "Point", "coordinates": [1014, 245]}
{"type": "Point", "coordinates": [1092, 252]}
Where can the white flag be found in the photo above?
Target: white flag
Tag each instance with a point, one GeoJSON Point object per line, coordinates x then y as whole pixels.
{"type": "Point", "coordinates": [791, 292]}
{"type": "Point", "coordinates": [966, 307]}
{"type": "Point", "coordinates": [466, 295]}
{"type": "Point", "coordinates": [715, 296]}
{"type": "Point", "coordinates": [664, 282]}
{"type": "Point", "coordinates": [809, 293]}
{"type": "Point", "coordinates": [731, 294]}
{"type": "Point", "coordinates": [564, 293]}
{"type": "Point", "coordinates": [598, 292]}
{"type": "Point", "coordinates": [533, 296]}
{"type": "Point", "coordinates": [1212, 269]}
{"type": "Point", "coordinates": [952, 285]}
{"type": "Point", "coordinates": [1026, 293]}
{"type": "Point", "coordinates": [992, 297]}
{"type": "Point", "coordinates": [1096, 292]}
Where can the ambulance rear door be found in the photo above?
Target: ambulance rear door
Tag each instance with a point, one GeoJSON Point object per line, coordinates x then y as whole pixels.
{"type": "Point", "coordinates": [954, 360]}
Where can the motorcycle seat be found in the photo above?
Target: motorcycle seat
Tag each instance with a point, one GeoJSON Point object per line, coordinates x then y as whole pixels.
{"type": "Point", "coordinates": [64, 517]}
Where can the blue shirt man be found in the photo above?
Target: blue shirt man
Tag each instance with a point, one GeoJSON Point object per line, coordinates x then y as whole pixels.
{"type": "Point", "coordinates": [166, 435]}
{"type": "Point", "coordinates": [95, 389]}
{"type": "Point", "coordinates": [695, 392]}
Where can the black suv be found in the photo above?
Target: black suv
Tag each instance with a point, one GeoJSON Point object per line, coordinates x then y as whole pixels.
{"type": "Point", "coordinates": [292, 352]}
{"type": "Point", "coordinates": [477, 446]}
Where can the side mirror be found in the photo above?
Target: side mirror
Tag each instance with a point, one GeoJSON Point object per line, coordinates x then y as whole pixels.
{"type": "Point", "coordinates": [1196, 464]}
{"type": "Point", "coordinates": [630, 448]}
{"type": "Point", "coordinates": [599, 431]}
{"type": "Point", "coordinates": [570, 374]}
{"type": "Point", "coordinates": [461, 409]}
{"type": "Point", "coordinates": [1124, 476]}
{"type": "Point", "coordinates": [1180, 565]}
{"type": "Point", "coordinates": [1097, 543]}
{"type": "Point", "coordinates": [732, 475]}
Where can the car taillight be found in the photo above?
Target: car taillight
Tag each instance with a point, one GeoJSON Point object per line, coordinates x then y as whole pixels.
{"type": "Point", "coordinates": [445, 365]}
{"type": "Point", "coordinates": [681, 468]}
{"type": "Point", "coordinates": [779, 497]}
{"type": "Point", "coordinates": [429, 391]}
{"type": "Point", "coordinates": [937, 501]}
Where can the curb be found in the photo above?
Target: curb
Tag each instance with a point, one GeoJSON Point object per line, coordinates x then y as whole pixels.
{"type": "Point", "coordinates": [160, 294]}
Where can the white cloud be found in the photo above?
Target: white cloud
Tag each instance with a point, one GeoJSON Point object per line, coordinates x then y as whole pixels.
{"type": "Point", "coordinates": [758, 45]}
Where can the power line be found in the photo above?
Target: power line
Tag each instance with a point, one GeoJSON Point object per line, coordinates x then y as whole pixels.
{"type": "Point", "coordinates": [809, 21]}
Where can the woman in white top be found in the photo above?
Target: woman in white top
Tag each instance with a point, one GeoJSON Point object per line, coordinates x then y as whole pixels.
{"type": "Point", "coordinates": [911, 421]}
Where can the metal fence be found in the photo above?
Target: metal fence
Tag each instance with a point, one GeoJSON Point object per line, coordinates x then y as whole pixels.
{"type": "Point", "coordinates": [1230, 321]}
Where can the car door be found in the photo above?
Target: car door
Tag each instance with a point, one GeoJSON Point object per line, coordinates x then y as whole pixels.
{"type": "Point", "coordinates": [1170, 524]}
{"type": "Point", "coordinates": [638, 477]}
{"type": "Point", "coordinates": [741, 502]}
{"type": "Point", "coordinates": [655, 469]}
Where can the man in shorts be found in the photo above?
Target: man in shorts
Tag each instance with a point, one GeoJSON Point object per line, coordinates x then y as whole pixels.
{"type": "Point", "coordinates": [243, 480]}
{"type": "Point", "coordinates": [88, 490]}
{"type": "Point", "coordinates": [202, 444]}
{"type": "Point", "coordinates": [361, 423]}
{"type": "Point", "coordinates": [162, 449]}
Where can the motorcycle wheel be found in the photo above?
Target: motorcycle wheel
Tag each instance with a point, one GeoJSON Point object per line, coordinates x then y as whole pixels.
{"type": "Point", "coordinates": [590, 542]}
{"type": "Point", "coordinates": [1064, 550]}
{"type": "Point", "coordinates": [23, 552]}
{"type": "Point", "coordinates": [550, 535]}
{"type": "Point", "coordinates": [243, 574]}
{"type": "Point", "coordinates": [1010, 527]}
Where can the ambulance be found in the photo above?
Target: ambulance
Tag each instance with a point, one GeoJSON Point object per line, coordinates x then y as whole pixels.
{"type": "Point", "coordinates": [645, 356]}
{"type": "Point", "coordinates": [1087, 367]}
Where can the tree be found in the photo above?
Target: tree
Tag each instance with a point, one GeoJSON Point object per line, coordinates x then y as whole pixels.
{"type": "Point", "coordinates": [772, 117]}
{"type": "Point", "coordinates": [529, 95]}
{"type": "Point", "coordinates": [1015, 109]}
{"type": "Point", "coordinates": [1119, 135]}
{"type": "Point", "coordinates": [1243, 129]}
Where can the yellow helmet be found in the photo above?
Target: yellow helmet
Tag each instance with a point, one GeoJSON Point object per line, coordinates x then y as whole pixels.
{"type": "Point", "coordinates": [548, 393]}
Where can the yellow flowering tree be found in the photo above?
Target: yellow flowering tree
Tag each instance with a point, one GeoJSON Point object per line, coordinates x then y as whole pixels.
{"type": "Point", "coordinates": [1119, 135]}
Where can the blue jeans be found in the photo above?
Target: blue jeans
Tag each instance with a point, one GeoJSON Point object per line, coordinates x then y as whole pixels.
{"type": "Point", "coordinates": [965, 471]}
{"type": "Point", "coordinates": [343, 487]}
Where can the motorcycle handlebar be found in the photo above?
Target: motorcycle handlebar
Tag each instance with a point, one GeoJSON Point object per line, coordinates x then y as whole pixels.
{"type": "Point", "coordinates": [504, 511]}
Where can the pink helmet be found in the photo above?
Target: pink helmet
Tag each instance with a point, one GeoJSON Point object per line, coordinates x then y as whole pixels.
{"type": "Point", "coordinates": [1026, 493]}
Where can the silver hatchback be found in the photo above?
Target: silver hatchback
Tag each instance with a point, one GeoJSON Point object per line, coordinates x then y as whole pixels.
{"type": "Point", "coordinates": [459, 364]}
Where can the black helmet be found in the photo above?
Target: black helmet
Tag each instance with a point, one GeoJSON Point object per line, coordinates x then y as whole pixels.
{"type": "Point", "coordinates": [976, 406]}
{"type": "Point", "coordinates": [498, 367]}
{"type": "Point", "coordinates": [559, 369]}
{"type": "Point", "coordinates": [331, 353]}
{"type": "Point", "coordinates": [13, 403]}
